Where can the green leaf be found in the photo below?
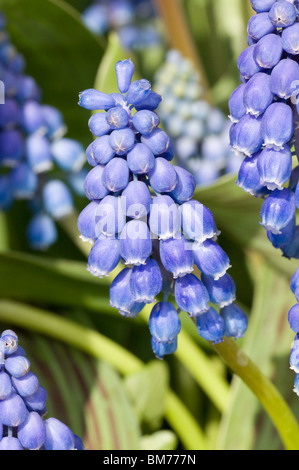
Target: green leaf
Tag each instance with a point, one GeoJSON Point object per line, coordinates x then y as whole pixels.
{"type": "Point", "coordinates": [85, 393]}
{"type": "Point", "coordinates": [267, 342]}
{"type": "Point", "coordinates": [160, 440]}
{"type": "Point", "coordinates": [123, 424]}
{"type": "Point", "coordinates": [79, 4]}
{"type": "Point", "coordinates": [60, 52]}
{"type": "Point", "coordinates": [54, 282]}
{"type": "Point", "coordinates": [4, 237]}
{"type": "Point", "coordinates": [148, 390]}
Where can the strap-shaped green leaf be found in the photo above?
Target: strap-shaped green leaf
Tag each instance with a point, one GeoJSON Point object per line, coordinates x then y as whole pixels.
{"type": "Point", "coordinates": [52, 281]}
{"type": "Point", "coordinates": [160, 440]}
{"type": "Point", "coordinates": [148, 389]}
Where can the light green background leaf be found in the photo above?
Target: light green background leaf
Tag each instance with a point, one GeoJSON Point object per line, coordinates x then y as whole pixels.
{"type": "Point", "coordinates": [148, 389]}
{"type": "Point", "coordinates": [160, 440]}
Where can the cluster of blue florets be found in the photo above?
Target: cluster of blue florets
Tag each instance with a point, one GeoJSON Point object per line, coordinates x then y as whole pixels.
{"type": "Point", "coordinates": [264, 111]}
{"type": "Point", "coordinates": [133, 20]}
{"type": "Point", "coordinates": [35, 155]}
{"type": "Point", "coordinates": [141, 214]}
{"type": "Point", "coordinates": [199, 131]}
{"type": "Point", "coordinates": [23, 405]}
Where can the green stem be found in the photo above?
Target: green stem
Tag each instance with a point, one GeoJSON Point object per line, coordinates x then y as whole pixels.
{"type": "Point", "coordinates": [97, 345]}
{"type": "Point", "coordinates": [263, 389]}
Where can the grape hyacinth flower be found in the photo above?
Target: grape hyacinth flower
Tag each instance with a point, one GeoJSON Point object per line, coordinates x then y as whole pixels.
{"type": "Point", "coordinates": [265, 120]}
{"type": "Point", "coordinates": [37, 159]}
{"type": "Point", "coordinates": [143, 224]}
{"type": "Point", "coordinates": [24, 423]}
{"type": "Point", "coordinates": [264, 130]}
{"type": "Point", "coordinates": [199, 131]}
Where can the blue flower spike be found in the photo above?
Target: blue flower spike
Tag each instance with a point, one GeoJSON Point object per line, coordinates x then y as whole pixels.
{"type": "Point", "coordinates": [264, 114]}
{"type": "Point", "coordinates": [142, 221]}
{"type": "Point", "coordinates": [23, 422]}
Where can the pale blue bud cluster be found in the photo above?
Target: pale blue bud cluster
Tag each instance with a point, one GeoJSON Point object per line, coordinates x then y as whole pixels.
{"type": "Point", "coordinates": [199, 131]}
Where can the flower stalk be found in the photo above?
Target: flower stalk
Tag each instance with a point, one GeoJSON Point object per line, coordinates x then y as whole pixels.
{"type": "Point", "coordinates": [264, 390]}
